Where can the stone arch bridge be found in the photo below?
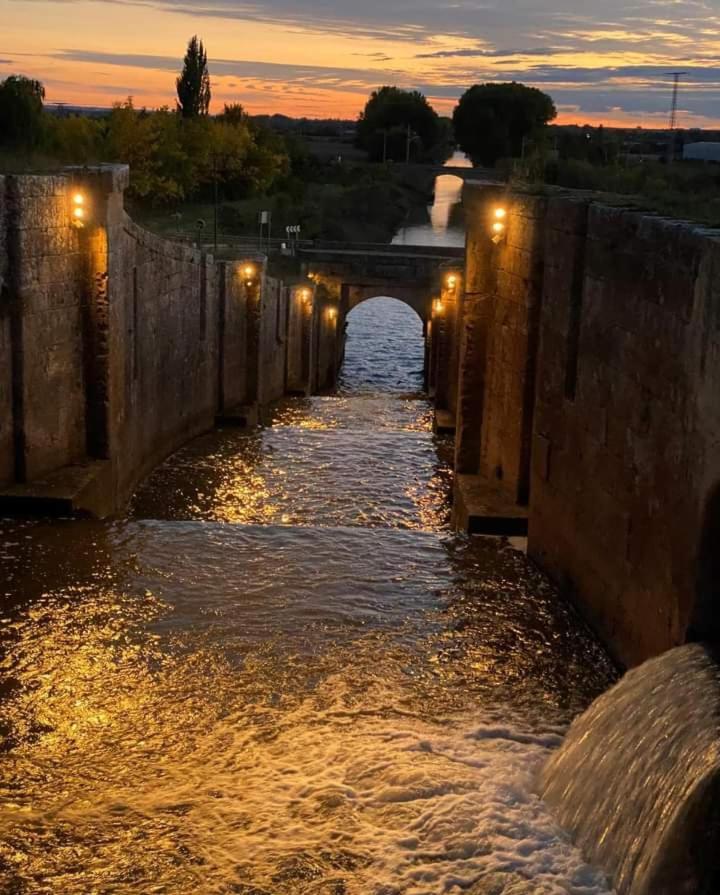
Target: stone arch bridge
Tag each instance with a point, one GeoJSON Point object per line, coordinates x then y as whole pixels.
{"type": "Point", "coordinates": [362, 271]}
{"type": "Point", "coordinates": [464, 173]}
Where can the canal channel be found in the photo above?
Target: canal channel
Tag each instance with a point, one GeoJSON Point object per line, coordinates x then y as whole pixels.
{"type": "Point", "coordinates": [281, 672]}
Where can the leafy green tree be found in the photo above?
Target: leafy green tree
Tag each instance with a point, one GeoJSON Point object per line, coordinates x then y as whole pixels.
{"type": "Point", "coordinates": [396, 120]}
{"type": "Point", "coordinates": [193, 85]}
{"type": "Point", "coordinates": [150, 142]}
{"type": "Point", "coordinates": [75, 139]}
{"type": "Point", "coordinates": [172, 159]}
{"type": "Point", "coordinates": [491, 121]}
{"type": "Point", "coordinates": [21, 111]}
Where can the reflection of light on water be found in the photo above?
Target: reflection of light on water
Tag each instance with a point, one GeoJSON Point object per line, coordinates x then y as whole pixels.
{"type": "Point", "coordinates": [448, 194]}
{"type": "Point", "coordinates": [317, 699]}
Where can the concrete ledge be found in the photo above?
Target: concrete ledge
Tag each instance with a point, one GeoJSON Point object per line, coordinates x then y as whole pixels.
{"type": "Point", "coordinates": [443, 422]}
{"type": "Point", "coordinates": [483, 507]}
{"type": "Point", "coordinates": [80, 489]}
{"type": "Point", "coordinates": [244, 417]}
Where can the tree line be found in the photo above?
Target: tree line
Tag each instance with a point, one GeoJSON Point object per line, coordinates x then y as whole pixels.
{"type": "Point", "coordinates": [489, 123]}
{"type": "Point", "coordinates": [182, 153]}
{"type": "Point", "coordinates": [174, 154]}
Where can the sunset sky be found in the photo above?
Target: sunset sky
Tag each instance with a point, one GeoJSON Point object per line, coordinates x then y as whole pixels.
{"type": "Point", "coordinates": [601, 61]}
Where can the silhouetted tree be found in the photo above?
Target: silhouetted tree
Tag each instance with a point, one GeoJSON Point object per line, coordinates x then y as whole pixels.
{"type": "Point", "coordinates": [492, 120]}
{"type": "Point", "coordinates": [193, 85]}
{"type": "Point", "coordinates": [391, 116]}
{"type": "Point", "coordinates": [21, 111]}
{"type": "Point", "coordinates": [233, 114]}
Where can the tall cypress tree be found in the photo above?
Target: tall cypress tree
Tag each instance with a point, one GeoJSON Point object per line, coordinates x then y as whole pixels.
{"type": "Point", "coordinates": [193, 85]}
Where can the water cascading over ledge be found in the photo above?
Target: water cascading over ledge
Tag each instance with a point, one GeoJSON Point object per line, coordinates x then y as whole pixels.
{"type": "Point", "coordinates": [637, 780]}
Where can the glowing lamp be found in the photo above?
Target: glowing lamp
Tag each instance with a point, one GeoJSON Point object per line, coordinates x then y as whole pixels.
{"type": "Point", "coordinates": [332, 313]}
{"type": "Point", "coordinates": [78, 209]}
{"type": "Point", "coordinates": [451, 281]}
{"type": "Point", "coordinates": [500, 214]}
{"type": "Point", "coordinates": [248, 271]}
{"type": "Point", "coordinates": [437, 306]}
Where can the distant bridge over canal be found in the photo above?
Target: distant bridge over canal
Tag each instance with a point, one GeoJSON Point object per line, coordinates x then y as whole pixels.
{"type": "Point", "coordinates": [362, 271]}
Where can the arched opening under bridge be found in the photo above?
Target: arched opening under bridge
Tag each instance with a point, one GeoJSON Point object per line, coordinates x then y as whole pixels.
{"type": "Point", "coordinates": [417, 298]}
{"type": "Point", "coordinates": [385, 347]}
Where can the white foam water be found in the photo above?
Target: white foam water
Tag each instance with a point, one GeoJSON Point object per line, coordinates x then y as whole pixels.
{"type": "Point", "coordinates": [350, 790]}
{"type": "Point", "coordinates": [637, 780]}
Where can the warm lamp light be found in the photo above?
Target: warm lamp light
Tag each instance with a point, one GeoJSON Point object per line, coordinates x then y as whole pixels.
{"type": "Point", "coordinates": [248, 271]}
{"type": "Point", "coordinates": [498, 227]}
{"type": "Point", "coordinates": [500, 214]}
{"type": "Point", "coordinates": [78, 211]}
{"type": "Point", "coordinates": [437, 306]}
{"type": "Point", "coordinates": [451, 281]}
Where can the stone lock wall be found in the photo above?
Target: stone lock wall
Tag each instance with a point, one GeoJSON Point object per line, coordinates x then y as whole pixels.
{"type": "Point", "coordinates": [7, 447]}
{"type": "Point", "coordinates": [627, 421]}
{"type": "Point", "coordinates": [42, 397]}
{"type": "Point", "coordinates": [500, 322]}
{"type": "Point", "coordinates": [116, 346]}
{"type": "Point", "coordinates": [595, 385]}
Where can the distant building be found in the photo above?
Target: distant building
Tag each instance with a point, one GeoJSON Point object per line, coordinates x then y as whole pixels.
{"type": "Point", "coordinates": [704, 152]}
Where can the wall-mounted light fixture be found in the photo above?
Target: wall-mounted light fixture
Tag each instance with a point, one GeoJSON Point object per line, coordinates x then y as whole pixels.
{"type": "Point", "coordinates": [248, 272]}
{"type": "Point", "coordinates": [451, 281]}
{"type": "Point", "coordinates": [437, 306]}
{"type": "Point", "coordinates": [305, 296]}
{"type": "Point", "coordinates": [332, 314]}
{"type": "Point", "coordinates": [498, 226]}
{"type": "Point", "coordinates": [79, 209]}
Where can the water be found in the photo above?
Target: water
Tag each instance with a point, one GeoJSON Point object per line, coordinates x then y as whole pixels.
{"type": "Point", "coordinates": [281, 674]}
{"type": "Point", "coordinates": [445, 225]}
{"type": "Point", "coordinates": [638, 778]}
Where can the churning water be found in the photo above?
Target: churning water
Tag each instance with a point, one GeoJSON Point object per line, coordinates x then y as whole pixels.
{"type": "Point", "coordinates": [281, 673]}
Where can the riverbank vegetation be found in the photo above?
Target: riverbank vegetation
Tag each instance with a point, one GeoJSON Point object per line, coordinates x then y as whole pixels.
{"type": "Point", "coordinates": [189, 168]}
{"type": "Point", "coordinates": [338, 180]}
{"type": "Point", "coordinates": [646, 170]}
{"type": "Point", "coordinates": [341, 202]}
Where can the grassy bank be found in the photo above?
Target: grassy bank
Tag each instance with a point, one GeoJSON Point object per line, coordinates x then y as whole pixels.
{"type": "Point", "coordinates": [353, 202]}
{"type": "Point", "coordinates": [685, 190]}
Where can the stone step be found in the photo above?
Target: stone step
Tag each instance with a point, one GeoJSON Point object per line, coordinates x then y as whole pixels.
{"type": "Point", "coordinates": [79, 489]}
{"type": "Point", "coordinates": [483, 507]}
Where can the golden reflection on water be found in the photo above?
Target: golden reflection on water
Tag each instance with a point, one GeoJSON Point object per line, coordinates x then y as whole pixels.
{"type": "Point", "coordinates": [378, 466]}
{"type": "Point", "coordinates": [289, 704]}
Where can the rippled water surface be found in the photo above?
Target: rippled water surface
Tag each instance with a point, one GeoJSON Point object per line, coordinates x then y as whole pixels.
{"type": "Point", "coordinates": [281, 673]}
